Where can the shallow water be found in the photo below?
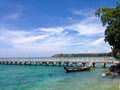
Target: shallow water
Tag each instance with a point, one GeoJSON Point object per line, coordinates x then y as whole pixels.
{"type": "Point", "coordinates": [20, 77]}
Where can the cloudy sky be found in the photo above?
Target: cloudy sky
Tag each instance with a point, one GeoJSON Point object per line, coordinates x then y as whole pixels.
{"type": "Point", "coordinates": [46, 27]}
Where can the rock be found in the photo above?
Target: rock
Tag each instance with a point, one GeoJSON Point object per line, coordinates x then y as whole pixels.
{"type": "Point", "coordinates": [114, 70]}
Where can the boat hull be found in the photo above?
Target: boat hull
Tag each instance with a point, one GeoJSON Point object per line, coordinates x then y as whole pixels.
{"type": "Point", "coordinates": [76, 69]}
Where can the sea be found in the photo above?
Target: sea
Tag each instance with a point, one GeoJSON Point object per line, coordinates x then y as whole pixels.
{"type": "Point", "coordinates": [25, 77]}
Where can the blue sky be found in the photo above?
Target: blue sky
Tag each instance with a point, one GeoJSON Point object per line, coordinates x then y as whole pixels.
{"type": "Point", "coordinates": [46, 27]}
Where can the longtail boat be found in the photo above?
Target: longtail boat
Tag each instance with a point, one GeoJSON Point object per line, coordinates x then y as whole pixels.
{"type": "Point", "coordinates": [75, 69]}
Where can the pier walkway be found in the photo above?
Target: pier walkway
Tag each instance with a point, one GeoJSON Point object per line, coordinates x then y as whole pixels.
{"type": "Point", "coordinates": [58, 61]}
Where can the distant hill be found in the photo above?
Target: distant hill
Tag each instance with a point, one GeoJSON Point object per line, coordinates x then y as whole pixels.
{"type": "Point", "coordinates": [83, 55]}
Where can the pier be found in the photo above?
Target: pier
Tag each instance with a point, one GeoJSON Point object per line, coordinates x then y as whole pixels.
{"type": "Point", "coordinates": [58, 61]}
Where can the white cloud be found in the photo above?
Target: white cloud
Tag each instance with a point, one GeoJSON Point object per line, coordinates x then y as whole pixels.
{"type": "Point", "coordinates": [87, 12]}
{"type": "Point", "coordinates": [9, 32]}
{"type": "Point", "coordinates": [57, 39]}
{"type": "Point", "coordinates": [28, 39]}
{"type": "Point", "coordinates": [54, 30]}
{"type": "Point", "coordinates": [13, 16]}
{"type": "Point", "coordinates": [98, 42]}
{"type": "Point", "coordinates": [16, 13]}
{"type": "Point", "coordinates": [71, 19]}
{"type": "Point", "coordinates": [18, 37]}
{"type": "Point", "coordinates": [89, 26]}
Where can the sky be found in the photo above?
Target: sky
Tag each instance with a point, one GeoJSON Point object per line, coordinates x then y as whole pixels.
{"type": "Point", "coordinates": [42, 28]}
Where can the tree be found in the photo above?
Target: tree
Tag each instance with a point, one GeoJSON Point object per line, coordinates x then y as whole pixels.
{"type": "Point", "coordinates": [110, 17]}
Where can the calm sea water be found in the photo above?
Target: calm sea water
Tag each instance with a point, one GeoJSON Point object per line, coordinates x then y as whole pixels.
{"type": "Point", "coordinates": [21, 77]}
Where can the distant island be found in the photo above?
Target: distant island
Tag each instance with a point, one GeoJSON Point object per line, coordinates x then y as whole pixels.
{"type": "Point", "coordinates": [83, 55]}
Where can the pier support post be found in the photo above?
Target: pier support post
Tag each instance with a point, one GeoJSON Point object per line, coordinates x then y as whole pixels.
{"type": "Point", "coordinates": [70, 64]}
{"type": "Point", "coordinates": [93, 65]}
{"type": "Point", "coordinates": [3, 62]}
{"type": "Point", "coordinates": [59, 63]}
{"type": "Point", "coordinates": [11, 63]}
{"type": "Point", "coordinates": [67, 64]}
{"type": "Point", "coordinates": [15, 63]}
{"type": "Point", "coordinates": [0, 62]}
{"type": "Point", "coordinates": [47, 63]}
{"type": "Point", "coordinates": [83, 64]}
{"type": "Point", "coordinates": [41, 63]}
{"type": "Point", "coordinates": [62, 63]}
{"type": "Point", "coordinates": [75, 65]}
{"type": "Point", "coordinates": [54, 63]}
{"type": "Point", "coordinates": [35, 63]}
{"type": "Point", "coordinates": [29, 63]}
{"type": "Point", "coordinates": [103, 65]}
{"type": "Point", "coordinates": [24, 63]}
{"type": "Point", "coordinates": [20, 63]}
{"type": "Point", "coordinates": [7, 62]}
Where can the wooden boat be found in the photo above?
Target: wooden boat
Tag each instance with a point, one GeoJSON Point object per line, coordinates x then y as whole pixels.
{"type": "Point", "coordinates": [75, 69]}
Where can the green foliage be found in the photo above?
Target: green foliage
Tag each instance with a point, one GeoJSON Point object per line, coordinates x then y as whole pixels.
{"type": "Point", "coordinates": [83, 55]}
{"type": "Point", "coordinates": [110, 17]}
{"type": "Point", "coordinates": [118, 54]}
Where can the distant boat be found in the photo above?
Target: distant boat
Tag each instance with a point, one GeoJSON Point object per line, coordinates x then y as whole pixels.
{"type": "Point", "coordinates": [75, 69]}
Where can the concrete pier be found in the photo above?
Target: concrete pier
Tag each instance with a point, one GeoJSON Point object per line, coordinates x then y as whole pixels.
{"type": "Point", "coordinates": [56, 61]}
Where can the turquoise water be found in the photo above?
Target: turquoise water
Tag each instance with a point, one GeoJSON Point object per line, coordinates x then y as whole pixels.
{"type": "Point", "coordinates": [20, 77]}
